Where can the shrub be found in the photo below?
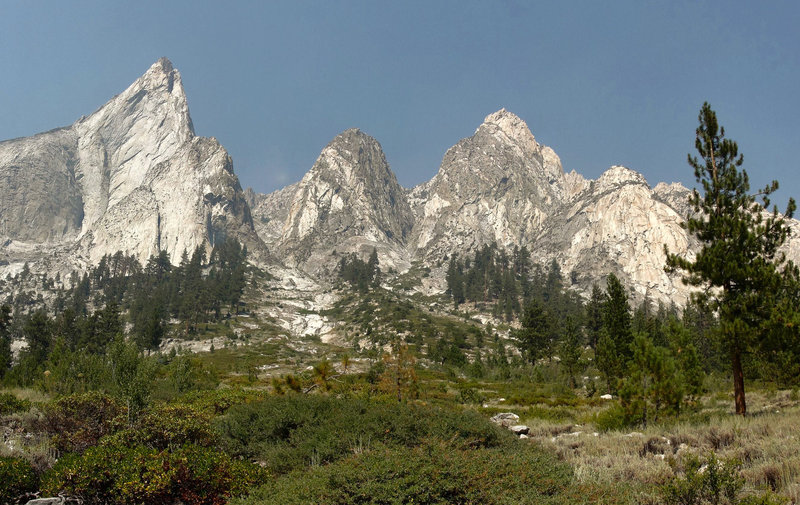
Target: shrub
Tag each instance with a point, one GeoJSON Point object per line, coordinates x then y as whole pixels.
{"type": "Point", "coordinates": [291, 432]}
{"type": "Point", "coordinates": [612, 418]}
{"type": "Point", "coordinates": [435, 474]}
{"type": "Point", "coordinates": [218, 401]}
{"type": "Point", "coordinates": [121, 475]}
{"type": "Point", "coordinates": [709, 481]}
{"type": "Point", "coordinates": [78, 421]}
{"type": "Point", "coordinates": [10, 404]}
{"type": "Point", "coordinates": [166, 426]}
{"type": "Point", "coordinates": [17, 478]}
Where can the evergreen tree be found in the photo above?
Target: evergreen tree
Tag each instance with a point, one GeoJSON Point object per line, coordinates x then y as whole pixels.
{"type": "Point", "coordinates": [5, 339]}
{"type": "Point", "coordinates": [570, 349]}
{"type": "Point", "coordinates": [594, 316]}
{"type": "Point", "coordinates": [739, 265]}
{"type": "Point", "coordinates": [614, 344]}
{"type": "Point", "coordinates": [653, 385]}
{"type": "Point", "coordinates": [533, 340]}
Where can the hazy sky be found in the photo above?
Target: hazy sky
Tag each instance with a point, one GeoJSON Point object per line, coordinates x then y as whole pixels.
{"type": "Point", "coordinates": [601, 82]}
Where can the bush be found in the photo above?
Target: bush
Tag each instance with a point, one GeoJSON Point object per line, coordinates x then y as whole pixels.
{"type": "Point", "coordinates": [705, 482]}
{"type": "Point", "coordinates": [10, 404]}
{"type": "Point", "coordinates": [79, 421]}
{"type": "Point", "coordinates": [121, 475]}
{"type": "Point", "coordinates": [435, 474]}
{"type": "Point", "coordinates": [17, 478]}
{"type": "Point", "coordinates": [291, 432]}
{"type": "Point", "coordinates": [612, 418]}
{"type": "Point", "coordinates": [166, 426]}
{"type": "Point", "coordinates": [218, 401]}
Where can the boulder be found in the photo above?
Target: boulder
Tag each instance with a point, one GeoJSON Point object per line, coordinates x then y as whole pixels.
{"type": "Point", "coordinates": [505, 419]}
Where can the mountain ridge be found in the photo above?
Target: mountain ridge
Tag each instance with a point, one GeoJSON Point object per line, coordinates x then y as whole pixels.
{"type": "Point", "coordinates": [134, 177]}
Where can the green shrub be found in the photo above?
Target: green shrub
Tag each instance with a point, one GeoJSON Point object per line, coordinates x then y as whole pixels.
{"type": "Point", "coordinates": [10, 404]}
{"type": "Point", "coordinates": [17, 478]}
{"type": "Point", "coordinates": [218, 401]}
{"type": "Point", "coordinates": [291, 432]}
{"type": "Point", "coordinates": [79, 421]}
{"type": "Point", "coordinates": [122, 475]}
{"type": "Point", "coordinates": [612, 418]}
{"type": "Point", "coordinates": [708, 481]}
{"type": "Point", "coordinates": [166, 426]}
{"type": "Point", "coordinates": [434, 474]}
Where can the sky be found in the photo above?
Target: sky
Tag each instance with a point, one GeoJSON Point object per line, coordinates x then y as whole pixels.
{"type": "Point", "coordinates": [601, 82]}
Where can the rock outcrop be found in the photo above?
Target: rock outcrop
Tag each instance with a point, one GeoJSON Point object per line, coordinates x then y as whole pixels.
{"type": "Point", "coordinates": [349, 201]}
{"type": "Point", "coordinates": [499, 185]}
{"type": "Point", "coordinates": [617, 224]}
{"type": "Point", "coordinates": [131, 177]}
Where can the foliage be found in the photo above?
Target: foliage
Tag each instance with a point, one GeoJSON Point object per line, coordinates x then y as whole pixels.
{"type": "Point", "coordinates": [294, 431]}
{"type": "Point", "coordinates": [118, 474]}
{"type": "Point", "coordinates": [361, 275]}
{"type": "Point", "coordinates": [614, 344]}
{"type": "Point", "coordinates": [167, 427]}
{"type": "Point", "coordinates": [653, 385]}
{"type": "Point", "coordinates": [399, 377]}
{"type": "Point", "coordinates": [79, 421]}
{"type": "Point", "coordinates": [10, 404]}
{"type": "Point", "coordinates": [131, 374]}
{"type": "Point", "coordinates": [707, 481]}
{"type": "Point", "coordinates": [739, 263]}
{"type": "Point", "coordinates": [535, 338]}
{"type": "Point", "coordinates": [433, 473]}
{"type": "Point", "coordinates": [5, 339]}
{"type": "Point", "coordinates": [17, 478]}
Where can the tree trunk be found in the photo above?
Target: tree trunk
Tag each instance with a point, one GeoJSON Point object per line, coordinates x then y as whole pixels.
{"type": "Point", "coordinates": [738, 383]}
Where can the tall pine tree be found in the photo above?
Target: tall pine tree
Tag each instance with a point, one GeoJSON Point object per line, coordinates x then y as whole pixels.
{"type": "Point", "coordinates": [739, 264]}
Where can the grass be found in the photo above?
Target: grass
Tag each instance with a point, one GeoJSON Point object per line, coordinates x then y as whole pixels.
{"type": "Point", "coordinates": [766, 444]}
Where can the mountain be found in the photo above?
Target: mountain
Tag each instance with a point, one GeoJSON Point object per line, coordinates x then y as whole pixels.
{"type": "Point", "coordinates": [134, 177]}
{"type": "Point", "coordinates": [618, 224]}
{"type": "Point", "coordinates": [131, 177]}
{"type": "Point", "coordinates": [349, 201]}
{"type": "Point", "coordinates": [499, 185]}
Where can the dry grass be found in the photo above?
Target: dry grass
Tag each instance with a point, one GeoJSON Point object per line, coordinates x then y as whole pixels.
{"type": "Point", "coordinates": [766, 443]}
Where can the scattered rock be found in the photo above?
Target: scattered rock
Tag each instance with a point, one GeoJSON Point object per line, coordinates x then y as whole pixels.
{"type": "Point", "coordinates": [520, 429]}
{"type": "Point", "coordinates": [505, 419]}
{"type": "Point", "coordinates": [607, 397]}
{"type": "Point", "coordinates": [57, 500]}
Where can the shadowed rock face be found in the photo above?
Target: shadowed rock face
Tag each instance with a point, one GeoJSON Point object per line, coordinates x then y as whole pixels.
{"type": "Point", "coordinates": [499, 185]}
{"type": "Point", "coordinates": [348, 200]}
{"type": "Point", "coordinates": [131, 177]}
{"type": "Point", "coordinates": [42, 201]}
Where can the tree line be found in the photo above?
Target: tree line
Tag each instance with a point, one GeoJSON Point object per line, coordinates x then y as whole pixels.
{"type": "Point", "coordinates": [117, 293]}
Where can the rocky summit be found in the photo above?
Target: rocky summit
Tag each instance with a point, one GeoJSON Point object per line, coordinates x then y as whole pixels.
{"type": "Point", "coordinates": [131, 177]}
{"type": "Point", "coordinates": [134, 177]}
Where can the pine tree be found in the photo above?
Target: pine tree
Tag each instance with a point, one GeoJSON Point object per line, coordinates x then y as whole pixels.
{"type": "Point", "coordinates": [739, 264]}
{"type": "Point", "coordinates": [594, 316]}
{"type": "Point", "coordinates": [5, 339]}
{"type": "Point", "coordinates": [570, 349]}
{"type": "Point", "coordinates": [533, 339]}
{"type": "Point", "coordinates": [614, 343]}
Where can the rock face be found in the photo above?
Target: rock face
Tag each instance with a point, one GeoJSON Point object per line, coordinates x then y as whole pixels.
{"type": "Point", "coordinates": [349, 201]}
{"type": "Point", "coordinates": [499, 185]}
{"type": "Point", "coordinates": [131, 177]}
{"type": "Point", "coordinates": [618, 224]}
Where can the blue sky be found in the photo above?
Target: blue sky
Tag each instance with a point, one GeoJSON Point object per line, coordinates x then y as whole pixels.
{"type": "Point", "coordinates": [603, 83]}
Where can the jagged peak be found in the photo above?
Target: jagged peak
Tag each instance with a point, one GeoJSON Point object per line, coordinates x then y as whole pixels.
{"type": "Point", "coordinates": [508, 123]}
{"type": "Point", "coordinates": [351, 153]}
{"type": "Point", "coordinates": [618, 175]}
{"type": "Point", "coordinates": [165, 64]}
{"type": "Point", "coordinates": [160, 87]}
